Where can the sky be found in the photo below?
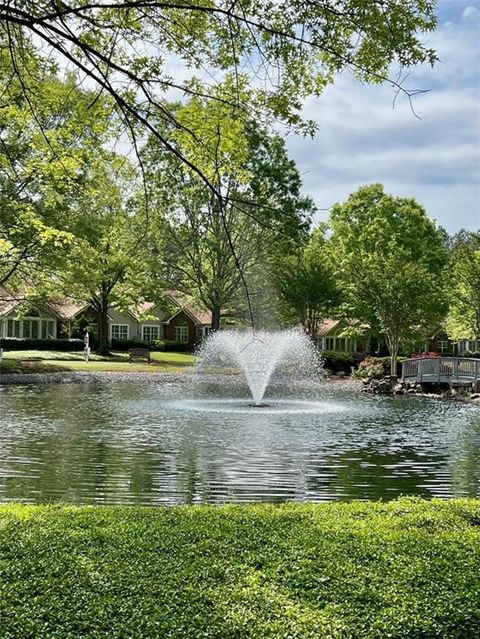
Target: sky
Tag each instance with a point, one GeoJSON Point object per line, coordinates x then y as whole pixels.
{"type": "Point", "coordinates": [435, 159]}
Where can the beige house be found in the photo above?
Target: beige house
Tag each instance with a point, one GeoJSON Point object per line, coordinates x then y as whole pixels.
{"type": "Point", "coordinates": [22, 319]}
{"type": "Point", "coordinates": [330, 336]}
{"type": "Point", "coordinates": [180, 320]}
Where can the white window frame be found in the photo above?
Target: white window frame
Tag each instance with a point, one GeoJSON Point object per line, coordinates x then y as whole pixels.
{"type": "Point", "coordinates": [183, 330]}
{"type": "Point", "coordinates": [112, 326]}
{"type": "Point", "coordinates": [150, 326]}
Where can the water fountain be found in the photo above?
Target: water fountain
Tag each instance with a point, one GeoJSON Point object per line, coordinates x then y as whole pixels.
{"type": "Point", "coordinates": [259, 356]}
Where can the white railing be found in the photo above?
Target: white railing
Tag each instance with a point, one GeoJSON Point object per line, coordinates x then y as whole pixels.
{"type": "Point", "coordinates": [441, 369]}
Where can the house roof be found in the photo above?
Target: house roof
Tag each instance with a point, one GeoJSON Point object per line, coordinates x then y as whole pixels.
{"type": "Point", "coordinates": [326, 326]}
{"type": "Point", "coordinates": [69, 310]}
{"type": "Point", "coordinates": [331, 324]}
{"type": "Point", "coordinates": [200, 314]}
{"type": "Point", "coordinates": [8, 301]}
{"type": "Point", "coordinates": [181, 302]}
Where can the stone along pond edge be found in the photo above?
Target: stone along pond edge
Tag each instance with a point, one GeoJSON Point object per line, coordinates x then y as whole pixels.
{"type": "Point", "coordinates": [399, 569]}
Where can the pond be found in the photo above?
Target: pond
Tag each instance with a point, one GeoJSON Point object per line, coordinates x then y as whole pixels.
{"type": "Point", "coordinates": [171, 443]}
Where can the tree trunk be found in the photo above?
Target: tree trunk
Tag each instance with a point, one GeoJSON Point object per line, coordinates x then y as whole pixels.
{"type": "Point", "coordinates": [103, 337]}
{"type": "Point", "coordinates": [216, 318]}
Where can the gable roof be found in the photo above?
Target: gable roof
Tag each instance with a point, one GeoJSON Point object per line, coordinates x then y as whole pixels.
{"type": "Point", "coordinates": [10, 301]}
{"type": "Point", "coordinates": [197, 312]}
{"type": "Point", "coordinates": [330, 324]}
{"type": "Point", "coordinates": [181, 302]}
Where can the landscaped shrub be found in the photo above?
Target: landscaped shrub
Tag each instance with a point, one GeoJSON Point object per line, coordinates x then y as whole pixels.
{"type": "Point", "coordinates": [127, 344]}
{"type": "Point", "coordinates": [16, 344]}
{"type": "Point", "coordinates": [376, 367]}
{"type": "Point", "coordinates": [169, 345]}
{"type": "Point", "coordinates": [338, 361]}
{"type": "Point", "coordinates": [475, 354]}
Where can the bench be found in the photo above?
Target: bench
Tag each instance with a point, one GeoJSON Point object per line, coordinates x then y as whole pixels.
{"type": "Point", "coordinates": [139, 353]}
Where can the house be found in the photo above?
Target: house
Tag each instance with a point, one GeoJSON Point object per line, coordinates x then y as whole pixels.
{"type": "Point", "coordinates": [179, 320]}
{"type": "Point", "coordinates": [20, 318]}
{"type": "Point", "coordinates": [330, 336]}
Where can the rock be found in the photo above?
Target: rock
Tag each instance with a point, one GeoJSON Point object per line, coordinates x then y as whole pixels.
{"type": "Point", "coordinates": [398, 389]}
{"type": "Point", "coordinates": [475, 396]}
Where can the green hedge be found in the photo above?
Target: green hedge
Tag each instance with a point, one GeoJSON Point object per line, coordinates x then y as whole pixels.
{"type": "Point", "coordinates": [407, 569]}
{"type": "Point", "coordinates": [126, 344]}
{"type": "Point", "coordinates": [168, 345]}
{"type": "Point", "coordinates": [15, 344]}
{"type": "Point", "coordinates": [158, 345]}
{"type": "Point", "coordinates": [338, 361]}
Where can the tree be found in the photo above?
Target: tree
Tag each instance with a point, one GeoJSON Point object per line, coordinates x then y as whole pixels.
{"type": "Point", "coordinates": [43, 159]}
{"type": "Point", "coordinates": [305, 284]}
{"type": "Point", "coordinates": [280, 52]}
{"type": "Point", "coordinates": [464, 287]}
{"type": "Point", "coordinates": [104, 268]}
{"type": "Point", "coordinates": [208, 247]}
{"type": "Point", "coordinates": [389, 258]}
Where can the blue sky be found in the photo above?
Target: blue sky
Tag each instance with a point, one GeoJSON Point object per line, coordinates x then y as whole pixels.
{"type": "Point", "coordinates": [436, 159]}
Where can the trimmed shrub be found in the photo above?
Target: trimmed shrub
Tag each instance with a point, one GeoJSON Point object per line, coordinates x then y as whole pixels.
{"type": "Point", "coordinates": [337, 361]}
{"type": "Point", "coordinates": [17, 344]}
{"type": "Point", "coordinates": [169, 345]}
{"type": "Point", "coordinates": [127, 344]}
{"type": "Point", "coordinates": [376, 367]}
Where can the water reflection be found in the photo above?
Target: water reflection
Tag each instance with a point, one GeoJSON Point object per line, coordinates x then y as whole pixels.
{"type": "Point", "coordinates": [137, 444]}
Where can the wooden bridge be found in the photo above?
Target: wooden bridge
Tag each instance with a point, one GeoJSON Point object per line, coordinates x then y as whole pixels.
{"type": "Point", "coordinates": [441, 370]}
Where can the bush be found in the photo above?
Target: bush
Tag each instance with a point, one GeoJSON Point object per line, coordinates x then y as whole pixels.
{"type": "Point", "coordinates": [169, 345]}
{"type": "Point", "coordinates": [337, 361]}
{"type": "Point", "coordinates": [376, 367]}
{"type": "Point", "coordinates": [16, 344]}
{"type": "Point", "coordinates": [127, 344]}
{"type": "Point", "coordinates": [474, 354]}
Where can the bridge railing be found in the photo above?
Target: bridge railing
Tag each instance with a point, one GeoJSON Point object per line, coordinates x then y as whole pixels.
{"type": "Point", "coordinates": [441, 369]}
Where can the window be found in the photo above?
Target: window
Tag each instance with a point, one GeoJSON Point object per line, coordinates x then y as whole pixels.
{"type": "Point", "coordinates": [329, 343]}
{"type": "Point", "coordinates": [444, 346]}
{"type": "Point", "coordinates": [13, 328]}
{"type": "Point", "coordinates": [181, 333]}
{"type": "Point", "coordinates": [150, 333]}
{"type": "Point", "coordinates": [119, 331]}
{"type": "Point", "coordinates": [26, 328]}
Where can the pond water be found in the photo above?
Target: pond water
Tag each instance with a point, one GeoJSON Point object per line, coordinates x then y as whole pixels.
{"type": "Point", "coordinates": [160, 444]}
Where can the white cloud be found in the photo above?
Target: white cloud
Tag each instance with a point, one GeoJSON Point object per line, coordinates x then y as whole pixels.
{"type": "Point", "coordinates": [362, 139]}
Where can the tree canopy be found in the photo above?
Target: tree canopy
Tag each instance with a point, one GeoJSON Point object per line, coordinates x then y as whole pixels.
{"type": "Point", "coordinates": [261, 57]}
{"type": "Point", "coordinates": [389, 258]}
{"type": "Point", "coordinates": [44, 157]}
{"type": "Point", "coordinates": [463, 319]}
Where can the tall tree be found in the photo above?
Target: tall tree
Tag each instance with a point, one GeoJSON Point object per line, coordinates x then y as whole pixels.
{"type": "Point", "coordinates": [281, 52]}
{"type": "Point", "coordinates": [464, 287]}
{"type": "Point", "coordinates": [208, 246]}
{"type": "Point", "coordinates": [43, 158]}
{"type": "Point", "coordinates": [103, 268]}
{"type": "Point", "coordinates": [305, 284]}
{"type": "Point", "coordinates": [389, 258]}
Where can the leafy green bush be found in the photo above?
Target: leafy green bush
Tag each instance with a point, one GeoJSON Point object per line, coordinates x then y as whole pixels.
{"type": "Point", "coordinates": [338, 361]}
{"type": "Point", "coordinates": [475, 354]}
{"type": "Point", "coordinates": [376, 367]}
{"type": "Point", "coordinates": [17, 344]}
{"type": "Point", "coordinates": [407, 569]}
{"type": "Point", "coordinates": [168, 345]}
{"type": "Point", "coordinates": [127, 344]}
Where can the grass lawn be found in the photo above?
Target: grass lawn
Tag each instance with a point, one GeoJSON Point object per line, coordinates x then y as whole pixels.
{"type": "Point", "coordinates": [404, 569]}
{"type": "Point", "coordinates": [57, 361]}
